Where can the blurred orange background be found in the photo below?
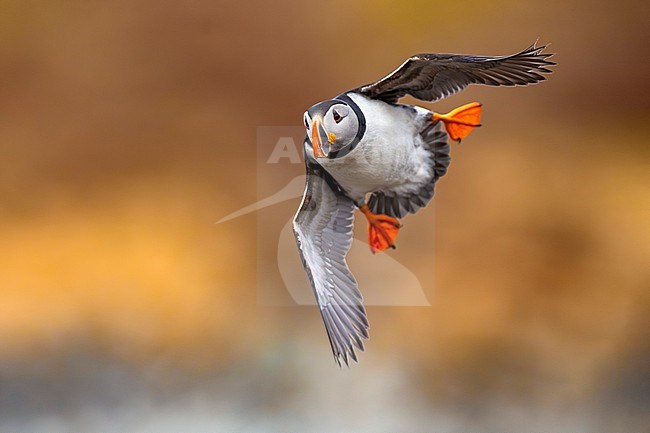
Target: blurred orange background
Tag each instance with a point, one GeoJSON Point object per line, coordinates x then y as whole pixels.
{"type": "Point", "coordinates": [128, 128]}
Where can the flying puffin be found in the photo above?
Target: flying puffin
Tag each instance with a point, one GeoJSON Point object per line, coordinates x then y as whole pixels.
{"type": "Point", "coordinates": [365, 151]}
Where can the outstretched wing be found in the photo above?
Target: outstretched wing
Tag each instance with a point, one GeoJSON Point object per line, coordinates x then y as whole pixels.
{"type": "Point", "coordinates": [430, 77]}
{"type": "Point", "coordinates": [323, 230]}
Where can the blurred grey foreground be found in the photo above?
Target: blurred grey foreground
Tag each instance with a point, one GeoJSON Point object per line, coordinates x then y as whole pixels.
{"type": "Point", "coordinates": [129, 127]}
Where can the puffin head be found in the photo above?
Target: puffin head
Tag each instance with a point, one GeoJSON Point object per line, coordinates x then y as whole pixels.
{"type": "Point", "coordinates": [333, 126]}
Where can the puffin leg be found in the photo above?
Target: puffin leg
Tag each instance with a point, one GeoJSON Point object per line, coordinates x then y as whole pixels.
{"type": "Point", "coordinates": [382, 230]}
{"type": "Point", "coordinates": [460, 121]}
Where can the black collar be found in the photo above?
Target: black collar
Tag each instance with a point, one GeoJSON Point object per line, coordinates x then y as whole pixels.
{"type": "Point", "coordinates": [362, 127]}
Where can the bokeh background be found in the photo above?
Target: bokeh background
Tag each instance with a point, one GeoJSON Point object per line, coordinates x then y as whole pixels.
{"type": "Point", "coordinates": [128, 128]}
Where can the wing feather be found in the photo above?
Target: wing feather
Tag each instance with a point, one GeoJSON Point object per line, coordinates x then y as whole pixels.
{"type": "Point", "coordinates": [430, 77]}
{"type": "Point", "coordinates": [323, 229]}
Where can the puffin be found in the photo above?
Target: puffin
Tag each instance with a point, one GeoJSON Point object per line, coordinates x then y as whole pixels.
{"type": "Point", "coordinates": [365, 151]}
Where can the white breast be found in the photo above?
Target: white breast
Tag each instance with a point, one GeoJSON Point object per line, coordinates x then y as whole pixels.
{"type": "Point", "coordinates": [391, 155]}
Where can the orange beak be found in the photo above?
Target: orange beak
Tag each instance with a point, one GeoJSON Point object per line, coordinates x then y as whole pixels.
{"type": "Point", "coordinates": [319, 139]}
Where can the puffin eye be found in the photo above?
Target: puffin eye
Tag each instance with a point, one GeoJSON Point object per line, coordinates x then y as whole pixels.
{"type": "Point", "coordinates": [337, 117]}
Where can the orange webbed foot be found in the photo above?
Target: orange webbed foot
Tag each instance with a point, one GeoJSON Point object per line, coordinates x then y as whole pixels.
{"type": "Point", "coordinates": [382, 230]}
{"type": "Point", "coordinates": [460, 121]}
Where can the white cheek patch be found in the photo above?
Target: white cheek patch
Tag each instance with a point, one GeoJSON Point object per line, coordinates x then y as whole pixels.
{"type": "Point", "coordinates": [343, 110]}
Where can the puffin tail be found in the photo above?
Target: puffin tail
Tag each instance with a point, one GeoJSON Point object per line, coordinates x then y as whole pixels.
{"type": "Point", "coordinates": [460, 121]}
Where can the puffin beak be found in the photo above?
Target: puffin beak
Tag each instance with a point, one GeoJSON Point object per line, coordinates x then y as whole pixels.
{"type": "Point", "coordinates": [319, 139]}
